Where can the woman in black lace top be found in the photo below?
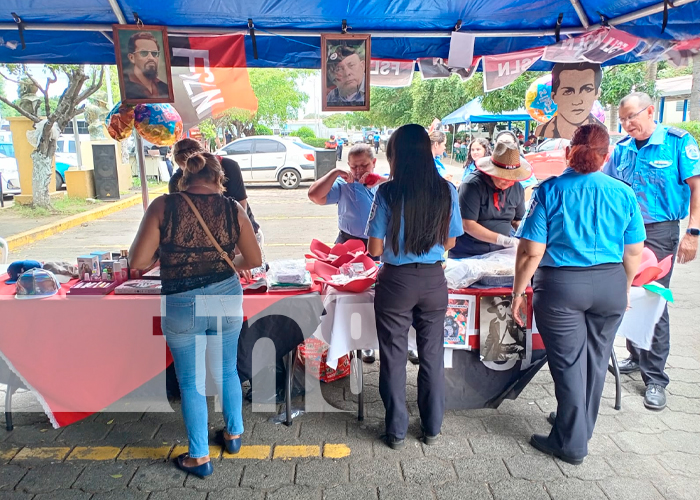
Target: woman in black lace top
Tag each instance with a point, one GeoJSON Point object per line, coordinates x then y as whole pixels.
{"type": "Point", "coordinates": [203, 303]}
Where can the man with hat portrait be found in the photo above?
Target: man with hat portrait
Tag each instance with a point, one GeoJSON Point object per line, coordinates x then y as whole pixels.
{"type": "Point", "coordinates": [346, 71]}
{"type": "Point", "coordinates": [505, 340]}
{"type": "Point", "coordinates": [492, 202]}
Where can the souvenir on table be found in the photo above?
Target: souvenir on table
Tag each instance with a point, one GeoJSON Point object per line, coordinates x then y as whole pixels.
{"type": "Point", "coordinates": [159, 124]}
{"type": "Point", "coordinates": [500, 337]}
{"type": "Point", "coordinates": [120, 121]}
{"type": "Point", "coordinates": [355, 276]}
{"type": "Point", "coordinates": [339, 254]}
{"type": "Point", "coordinates": [139, 287]}
{"type": "Point", "coordinates": [651, 269]}
{"type": "Point", "coordinates": [36, 283]}
{"type": "Point", "coordinates": [313, 352]}
{"type": "Point", "coordinates": [288, 275]}
{"type": "Point", "coordinates": [459, 320]}
{"type": "Point", "coordinates": [92, 288]}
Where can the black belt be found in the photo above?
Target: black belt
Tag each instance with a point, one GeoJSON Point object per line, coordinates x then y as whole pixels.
{"type": "Point", "coordinates": [664, 223]}
{"type": "Point", "coordinates": [417, 265]}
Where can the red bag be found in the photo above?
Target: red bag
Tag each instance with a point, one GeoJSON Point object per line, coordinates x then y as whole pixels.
{"type": "Point", "coordinates": [312, 354]}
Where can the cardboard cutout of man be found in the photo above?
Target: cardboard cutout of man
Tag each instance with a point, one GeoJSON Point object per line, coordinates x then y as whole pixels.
{"type": "Point", "coordinates": [346, 70]}
{"type": "Point", "coordinates": [141, 78]}
{"type": "Point", "coordinates": [575, 88]}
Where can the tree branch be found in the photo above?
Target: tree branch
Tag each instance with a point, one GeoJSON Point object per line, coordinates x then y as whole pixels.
{"type": "Point", "coordinates": [94, 87]}
{"type": "Point", "coordinates": [22, 112]}
{"type": "Point", "coordinates": [10, 79]}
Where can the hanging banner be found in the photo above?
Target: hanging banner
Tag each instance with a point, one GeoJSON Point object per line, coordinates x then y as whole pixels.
{"type": "Point", "coordinates": [391, 72]}
{"type": "Point", "coordinates": [437, 67]}
{"type": "Point", "coordinates": [596, 46]}
{"type": "Point", "coordinates": [209, 76]}
{"type": "Point", "coordinates": [502, 70]}
{"type": "Point", "coordinates": [461, 49]}
{"type": "Point", "coordinates": [680, 53]}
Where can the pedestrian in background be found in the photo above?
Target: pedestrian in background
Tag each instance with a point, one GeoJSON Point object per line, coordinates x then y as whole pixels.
{"type": "Point", "coordinates": [437, 147]}
{"type": "Point", "coordinates": [414, 219]}
{"type": "Point", "coordinates": [662, 164]}
{"type": "Point", "coordinates": [477, 149]}
{"type": "Point", "coordinates": [196, 232]}
{"type": "Point", "coordinates": [582, 239]}
{"type": "Point", "coordinates": [339, 148]}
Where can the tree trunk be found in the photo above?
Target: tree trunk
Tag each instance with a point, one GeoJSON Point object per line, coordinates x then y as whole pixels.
{"type": "Point", "coordinates": [41, 176]}
{"type": "Point", "coordinates": [613, 119]}
{"type": "Point", "coordinates": [652, 71]}
{"type": "Point", "coordinates": [694, 103]}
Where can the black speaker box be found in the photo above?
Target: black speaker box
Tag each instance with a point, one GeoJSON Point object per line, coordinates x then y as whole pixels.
{"type": "Point", "coordinates": [104, 158]}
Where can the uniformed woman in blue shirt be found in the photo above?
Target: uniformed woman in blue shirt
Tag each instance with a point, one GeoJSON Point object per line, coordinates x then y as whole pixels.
{"type": "Point", "coordinates": [582, 238]}
{"type": "Point", "coordinates": [414, 219]}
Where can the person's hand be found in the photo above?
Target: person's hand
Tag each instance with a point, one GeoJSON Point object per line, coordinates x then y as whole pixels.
{"type": "Point", "coordinates": [688, 249]}
{"type": "Point", "coordinates": [506, 241]}
{"type": "Point", "coordinates": [346, 176]}
{"type": "Point", "coordinates": [519, 309]}
{"type": "Point", "coordinates": [246, 275]}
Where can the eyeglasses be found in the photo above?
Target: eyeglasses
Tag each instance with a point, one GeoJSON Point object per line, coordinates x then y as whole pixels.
{"type": "Point", "coordinates": [144, 53]}
{"type": "Point", "coordinates": [632, 117]}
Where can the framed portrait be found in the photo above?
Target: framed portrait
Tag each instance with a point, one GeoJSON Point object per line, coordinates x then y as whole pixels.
{"type": "Point", "coordinates": [500, 337]}
{"type": "Point", "coordinates": [345, 68]}
{"type": "Point", "coordinates": [459, 321]}
{"type": "Point", "coordinates": [143, 59]}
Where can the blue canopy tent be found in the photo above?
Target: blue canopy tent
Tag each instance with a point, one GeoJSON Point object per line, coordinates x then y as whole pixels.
{"type": "Point", "coordinates": [287, 33]}
{"type": "Point", "coordinates": [472, 112]}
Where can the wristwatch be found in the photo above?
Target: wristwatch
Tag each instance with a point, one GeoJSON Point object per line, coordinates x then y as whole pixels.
{"type": "Point", "coordinates": [521, 294]}
{"type": "Point", "coordinates": [693, 231]}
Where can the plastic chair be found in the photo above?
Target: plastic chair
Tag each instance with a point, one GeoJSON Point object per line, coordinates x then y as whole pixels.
{"type": "Point", "coordinates": [4, 253]}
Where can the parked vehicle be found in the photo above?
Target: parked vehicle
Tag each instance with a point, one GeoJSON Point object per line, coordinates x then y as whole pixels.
{"type": "Point", "coordinates": [268, 158]}
{"type": "Point", "coordinates": [9, 173]}
{"type": "Point", "coordinates": [550, 157]}
{"type": "Point", "coordinates": [384, 138]}
{"type": "Point", "coordinates": [66, 155]}
{"type": "Point", "coordinates": [358, 138]}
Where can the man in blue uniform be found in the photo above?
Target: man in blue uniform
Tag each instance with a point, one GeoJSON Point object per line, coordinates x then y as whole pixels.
{"type": "Point", "coordinates": [339, 148]}
{"type": "Point", "coordinates": [662, 164]}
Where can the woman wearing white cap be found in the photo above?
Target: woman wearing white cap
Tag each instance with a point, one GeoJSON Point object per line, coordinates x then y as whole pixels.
{"type": "Point", "coordinates": [492, 202]}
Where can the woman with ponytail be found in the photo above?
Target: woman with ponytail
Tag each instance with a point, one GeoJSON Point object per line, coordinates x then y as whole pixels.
{"type": "Point", "coordinates": [196, 232]}
{"type": "Point", "coordinates": [582, 239]}
{"type": "Point", "coordinates": [414, 219]}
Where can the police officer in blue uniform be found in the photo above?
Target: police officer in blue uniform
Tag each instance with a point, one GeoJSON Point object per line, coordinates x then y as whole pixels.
{"type": "Point", "coordinates": [662, 164]}
{"type": "Point", "coordinates": [582, 229]}
{"type": "Point", "coordinates": [415, 218]}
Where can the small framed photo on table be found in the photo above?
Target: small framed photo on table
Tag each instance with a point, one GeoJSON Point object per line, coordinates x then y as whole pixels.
{"type": "Point", "coordinates": [459, 321]}
{"type": "Point", "coordinates": [143, 59]}
{"type": "Point", "coordinates": [345, 72]}
{"type": "Point", "coordinates": [501, 338]}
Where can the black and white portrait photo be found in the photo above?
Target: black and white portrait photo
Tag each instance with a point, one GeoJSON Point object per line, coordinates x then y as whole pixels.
{"type": "Point", "coordinates": [500, 337]}
{"type": "Point", "coordinates": [143, 59]}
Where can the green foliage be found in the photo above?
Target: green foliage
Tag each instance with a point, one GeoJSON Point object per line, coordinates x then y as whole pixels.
{"type": "Point", "coordinates": [618, 81]}
{"type": "Point", "coordinates": [391, 107]}
{"type": "Point", "coordinates": [316, 142]}
{"type": "Point", "coordinates": [667, 70]}
{"type": "Point", "coordinates": [5, 110]}
{"type": "Point", "coordinates": [692, 127]}
{"type": "Point", "coordinates": [436, 98]}
{"type": "Point", "coordinates": [304, 133]}
{"type": "Point", "coordinates": [261, 129]}
{"type": "Point", "coordinates": [208, 129]}
{"type": "Point", "coordinates": [339, 120]}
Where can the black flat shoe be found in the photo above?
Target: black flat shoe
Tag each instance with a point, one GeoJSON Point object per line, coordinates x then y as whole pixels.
{"type": "Point", "coordinates": [628, 366]}
{"type": "Point", "coordinates": [368, 356]}
{"type": "Point", "coordinates": [413, 357]}
{"type": "Point", "coordinates": [551, 418]}
{"type": "Point", "coordinates": [655, 397]}
{"type": "Point", "coordinates": [539, 442]}
{"type": "Point", "coordinates": [393, 442]}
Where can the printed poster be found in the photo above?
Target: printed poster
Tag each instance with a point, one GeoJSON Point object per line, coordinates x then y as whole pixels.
{"type": "Point", "coordinates": [391, 72]}
{"type": "Point", "coordinates": [596, 46]}
{"type": "Point", "coordinates": [501, 339]}
{"type": "Point", "coordinates": [459, 321]}
{"type": "Point", "coordinates": [503, 69]}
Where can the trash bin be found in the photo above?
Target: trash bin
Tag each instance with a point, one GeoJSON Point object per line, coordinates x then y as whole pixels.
{"type": "Point", "coordinates": [325, 162]}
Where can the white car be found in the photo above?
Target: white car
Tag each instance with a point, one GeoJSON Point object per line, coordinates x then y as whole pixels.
{"type": "Point", "coordinates": [266, 158]}
{"type": "Point", "coordinates": [358, 138]}
{"type": "Point", "coordinates": [10, 175]}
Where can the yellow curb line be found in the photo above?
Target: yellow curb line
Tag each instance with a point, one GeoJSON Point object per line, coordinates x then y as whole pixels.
{"type": "Point", "coordinates": [39, 233]}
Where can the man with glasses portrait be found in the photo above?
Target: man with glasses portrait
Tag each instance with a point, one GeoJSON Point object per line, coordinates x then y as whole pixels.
{"type": "Point", "coordinates": [662, 164]}
{"type": "Point", "coordinates": [141, 76]}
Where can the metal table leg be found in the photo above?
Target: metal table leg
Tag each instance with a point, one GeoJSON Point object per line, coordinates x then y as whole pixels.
{"type": "Point", "coordinates": [361, 384]}
{"type": "Point", "coordinates": [615, 370]}
{"type": "Point", "coordinates": [11, 388]}
{"type": "Point", "coordinates": [288, 389]}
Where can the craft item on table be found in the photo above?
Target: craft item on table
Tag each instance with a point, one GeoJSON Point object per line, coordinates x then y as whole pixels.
{"type": "Point", "coordinates": [159, 124]}
{"type": "Point", "coordinates": [120, 121]}
{"type": "Point", "coordinates": [102, 255]}
{"type": "Point", "coordinates": [36, 283]}
{"type": "Point", "coordinates": [287, 271]}
{"type": "Point", "coordinates": [92, 288]}
{"type": "Point", "coordinates": [313, 355]}
{"type": "Point", "coordinates": [339, 254]}
{"type": "Point", "coordinates": [462, 273]}
{"type": "Point", "coordinates": [651, 269]}
{"type": "Point", "coordinates": [256, 285]}
{"type": "Point", "coordinates": [355, 276]}
{"type": "Point", "coordinates": [274, 286]}
{"type": "Point", "coordinates": [459, 321]}
{"type": "Point", "coordinates": [139, 287]}
{"type": "Point", "coordinates": [89, 267]}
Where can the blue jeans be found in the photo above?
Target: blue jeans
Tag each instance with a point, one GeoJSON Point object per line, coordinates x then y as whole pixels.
{"type": "Point", "coordinates": [201, 328]}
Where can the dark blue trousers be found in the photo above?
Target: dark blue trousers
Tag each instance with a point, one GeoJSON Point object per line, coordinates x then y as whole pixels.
{"type": "Point", "coordinates": [404, 296]}
{"type": "Point", "coordinates": [578, 312]}
{"type": "Point", "coordinates": [662, 239]}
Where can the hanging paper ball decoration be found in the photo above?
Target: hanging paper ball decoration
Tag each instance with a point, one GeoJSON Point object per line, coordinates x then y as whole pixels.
{"type": "Point", "coordinates": [538, 99]}
{"type": "Point", "coordinates": [159, 124]}
{"type": "Point", "coordinates": [120, 121]}
{"type": "Point", "coordinates": [598, 111]}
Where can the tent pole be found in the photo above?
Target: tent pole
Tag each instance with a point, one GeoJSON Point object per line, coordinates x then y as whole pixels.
{"type": "Point", "coordinates": [581, 13]}
{"type": "Point", "coordinates": [117, 11]}
{"type": "Point", "coordinates": [141, 160]}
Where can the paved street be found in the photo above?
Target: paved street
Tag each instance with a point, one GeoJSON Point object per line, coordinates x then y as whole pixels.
{"type": "Point", "coordinates": [634, 454]}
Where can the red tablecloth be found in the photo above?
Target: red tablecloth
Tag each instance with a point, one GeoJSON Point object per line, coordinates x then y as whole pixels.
{"type": "Point", "coordinates": [79, 354]}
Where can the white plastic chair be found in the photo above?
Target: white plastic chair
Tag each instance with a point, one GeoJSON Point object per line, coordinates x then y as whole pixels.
{"type": "Point", "coordinates": [4, 253]}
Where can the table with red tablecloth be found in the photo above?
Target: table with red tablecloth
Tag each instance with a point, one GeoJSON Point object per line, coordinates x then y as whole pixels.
{"type": "Point", "coordinates": [80, 354]}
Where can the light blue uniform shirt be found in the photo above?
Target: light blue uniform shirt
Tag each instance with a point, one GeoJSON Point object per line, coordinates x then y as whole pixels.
{"type": "Point", "coordinates": [354, 204]}
{"type": "Point", "coordinates": [658, 172]}
{"type": "Point", "coordinates": [340, 142]}
{"type": "Point", "coordinates": [379, 223]}
{"type": "Point", "coordinates": [440, 167]}
{"type": "Point", "coordinates": [584, 219]}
